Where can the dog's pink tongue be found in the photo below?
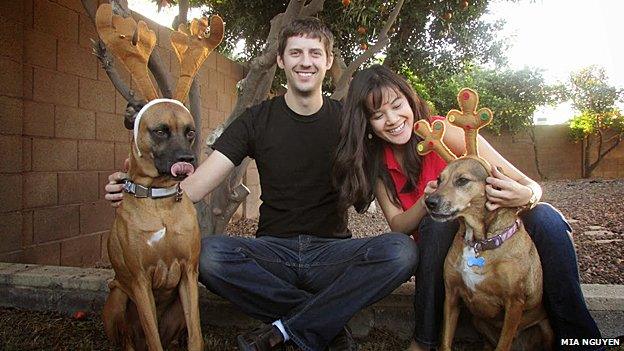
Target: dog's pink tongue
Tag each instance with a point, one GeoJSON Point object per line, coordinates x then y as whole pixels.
{"type": "Point", "coordinates": [182, 168]}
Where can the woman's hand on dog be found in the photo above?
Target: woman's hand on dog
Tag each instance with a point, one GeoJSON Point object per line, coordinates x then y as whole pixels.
{"type": "Point", "coordinates": [115, 185]}
{"type": "Point", "coordinates": [503, 191]}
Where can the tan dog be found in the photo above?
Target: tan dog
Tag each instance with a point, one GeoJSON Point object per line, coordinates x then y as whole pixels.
{"type": "Point", "coordinates": [154, 244]}
{"type": "Point", "coordinates": [500, 279]}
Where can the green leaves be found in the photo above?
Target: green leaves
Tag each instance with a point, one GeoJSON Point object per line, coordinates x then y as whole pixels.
{"type": "Point", "coordinates": [590, 90]}
{"type": "Point", "coordinates": [596, 100]}
{"type": "Point", "coordinates": [588, 123]}
{"type": "Point", "coordinates": [420, 38]}
{"type": "Point", "coordinates": [513, 95]}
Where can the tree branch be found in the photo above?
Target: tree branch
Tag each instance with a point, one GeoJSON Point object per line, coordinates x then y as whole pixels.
{"type": "Point", "coordinates": [120, 7]}
{"type": "Point", "coordinates": [156, 66]}
{"type": "Point", "coordinates": [615, 136]}
{"type": "Point", "coordinates": [183, 7]}
{"type": "Point", "coordinates": [610, 149]}
{"type": "Point", "coordinates": [195, 108]}
{"type": "Point", "coordinates": [99, 49]}
{"type": "Point", "coordinates": [314, 7]}
{"type": "Point", "coordinates": [343, 83]}
{"type": "Point", "coordinates": [338, 67]}
{"type": "Point", "coordinates": [106, 59]}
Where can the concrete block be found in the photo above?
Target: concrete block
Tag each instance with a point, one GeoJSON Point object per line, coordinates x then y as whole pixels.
{"type": "Point", "coordinates": [39, 189]}
{"type": "Point", "coordinates": [95, 155]}
{"type": "Point", "coordinates": [57, 20]}
{"type": "Point", "coordinates": [38, 118]}
{"type": "Point", "coordinates": [11, 76]}
{"type": "Point", "coordinates": [11, 112]}
{"type": "Point", "coordinates": [11, 193]}
{"type": "Point", "coordinates": [603, 297]}
{"type": "Point", "coordinates": [54, 155]}
{"type": "Point", "coordinates": [55, 223]}
{"type": "Point", "coordinates": [55, 87]}
{"type": "Point", "coordinates": [74, 123]}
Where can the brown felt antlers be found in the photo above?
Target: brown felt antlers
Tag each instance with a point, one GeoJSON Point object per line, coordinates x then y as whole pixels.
{"type": "Point", "coordinates": [432, 139]}
{"type": "Point", "coordinates": [469, 119]}
{"type": "Point", "coordinates": [192, 47]}
{"type": "Point", "coordinates": [132, 43]}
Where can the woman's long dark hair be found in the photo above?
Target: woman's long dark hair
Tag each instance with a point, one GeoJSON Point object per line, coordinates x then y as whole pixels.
{"type": "Point", "coordinates": [359, 160]}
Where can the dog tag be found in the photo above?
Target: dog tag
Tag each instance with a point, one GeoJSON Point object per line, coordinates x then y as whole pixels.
{"type": "Point", "coordinates": [476, 261]}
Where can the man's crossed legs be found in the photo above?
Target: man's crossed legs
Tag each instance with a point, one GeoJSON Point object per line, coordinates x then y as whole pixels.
{"type": "Point", "coordinates": [312, 285]}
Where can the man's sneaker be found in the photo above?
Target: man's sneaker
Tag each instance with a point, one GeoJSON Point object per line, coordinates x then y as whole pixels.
{"type": "Point", "coordinates": [343, 341]}
{"type": "Point", "coordinates": [264, 338]}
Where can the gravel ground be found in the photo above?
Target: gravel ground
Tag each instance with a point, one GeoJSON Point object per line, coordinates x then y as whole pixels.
{"type": "Point", "coordinates": [594, 208]}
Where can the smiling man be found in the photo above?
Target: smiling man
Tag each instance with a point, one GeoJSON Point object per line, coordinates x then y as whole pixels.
{"type": "Point", "coordinates": [301, 274]}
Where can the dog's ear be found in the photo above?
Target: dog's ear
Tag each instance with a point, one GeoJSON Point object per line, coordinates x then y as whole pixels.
{"type": "Point", "coordinates": [132, 109]}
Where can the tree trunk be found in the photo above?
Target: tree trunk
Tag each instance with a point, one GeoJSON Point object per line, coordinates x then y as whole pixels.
{"type": "Point", "coordinates": [535, 155]}
{"type": "Point", "coordinates": [587, 157]}
{"type": "Point", "coordinates": [600, 154]}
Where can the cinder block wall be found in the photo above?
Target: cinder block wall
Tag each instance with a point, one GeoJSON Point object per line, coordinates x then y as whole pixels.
{"type": "Point", "coordinates": [62, 133]}
{"type": "Point", "coordinates": [558, 156]}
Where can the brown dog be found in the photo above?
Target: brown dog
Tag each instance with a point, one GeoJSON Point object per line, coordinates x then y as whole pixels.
{"type": "Point", "coordinates": [500, 279]}
{"type": "Point", "coordinates": [154, 244]}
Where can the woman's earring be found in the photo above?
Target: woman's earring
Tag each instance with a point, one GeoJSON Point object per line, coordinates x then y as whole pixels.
{"type": "Point", "coordinates": [370, 136]}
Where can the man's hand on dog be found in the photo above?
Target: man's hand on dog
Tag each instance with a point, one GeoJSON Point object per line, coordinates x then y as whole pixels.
{"type": "Point", "coordinates": [115, 184]}
{"type": "Point", "coordinates": [503, 191]}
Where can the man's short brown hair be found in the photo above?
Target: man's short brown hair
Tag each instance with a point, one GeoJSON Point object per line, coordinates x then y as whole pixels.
{"type": "Point", "coordinates": [309, 27]}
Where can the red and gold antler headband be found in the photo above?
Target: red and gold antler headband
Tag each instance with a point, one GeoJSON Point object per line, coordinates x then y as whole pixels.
{"type": "Point", "coordinates": [469, 119]}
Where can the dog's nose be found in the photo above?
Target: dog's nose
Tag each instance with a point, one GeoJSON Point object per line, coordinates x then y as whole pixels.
{"type": "Point", "coordinates": [190, 158]}
{"type": "Point", "coordinates": [432, 202]}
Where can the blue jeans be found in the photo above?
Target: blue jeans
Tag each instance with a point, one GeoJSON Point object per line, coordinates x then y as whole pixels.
{"type": "Point", "coordinates": [563, 298]}
{"type": "Point", "coordinates": [314, 285]}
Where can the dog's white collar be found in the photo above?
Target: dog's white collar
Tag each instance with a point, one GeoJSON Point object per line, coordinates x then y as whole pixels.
{"type": "Point", "coordinates": [137, 120]}
{"type": "Point", "coordinates": [141, 191]}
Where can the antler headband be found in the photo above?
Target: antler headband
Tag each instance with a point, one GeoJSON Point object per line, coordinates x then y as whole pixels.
{"type": "Point", "coordinates": [132, 43]}
{"type": "Point", "coordinates": [469, 119]}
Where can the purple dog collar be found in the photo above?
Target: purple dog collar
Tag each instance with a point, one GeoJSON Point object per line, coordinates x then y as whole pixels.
{"type": "Point", "coordinates": [497, 240]}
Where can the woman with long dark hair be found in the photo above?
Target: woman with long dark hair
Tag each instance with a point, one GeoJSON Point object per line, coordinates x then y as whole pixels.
{"type": "Point", "coordinates": [377, 158]}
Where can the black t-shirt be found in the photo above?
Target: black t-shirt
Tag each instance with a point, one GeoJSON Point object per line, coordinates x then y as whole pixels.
{"type": "Point", "coordinates": [294, 155]}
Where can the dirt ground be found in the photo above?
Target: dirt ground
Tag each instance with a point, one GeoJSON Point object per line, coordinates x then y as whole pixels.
{"type": "Point", "coordinates": [594, 209]}
{"type": "Point", "coordinates": [28, 330]}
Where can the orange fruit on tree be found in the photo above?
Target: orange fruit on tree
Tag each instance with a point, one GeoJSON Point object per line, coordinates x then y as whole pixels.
{"type": "Point", "coordinates": [79, 315]}
{"type": "Point", "coordinates": [361, 30]}
{"type": "Point", "coordinates": [463, 4]}
{"type": "Point", "coordinates": [346, 3]}
{"type": "Point", "coordinates": [363, 46]}
{"type": "Point", "coordinates": [447, 16]}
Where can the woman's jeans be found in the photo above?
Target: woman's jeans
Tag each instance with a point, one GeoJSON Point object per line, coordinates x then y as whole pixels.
{"type": "Point", "coordinates": [563, 298]}
{"type": "Point", "coordinates": [313, 285]}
